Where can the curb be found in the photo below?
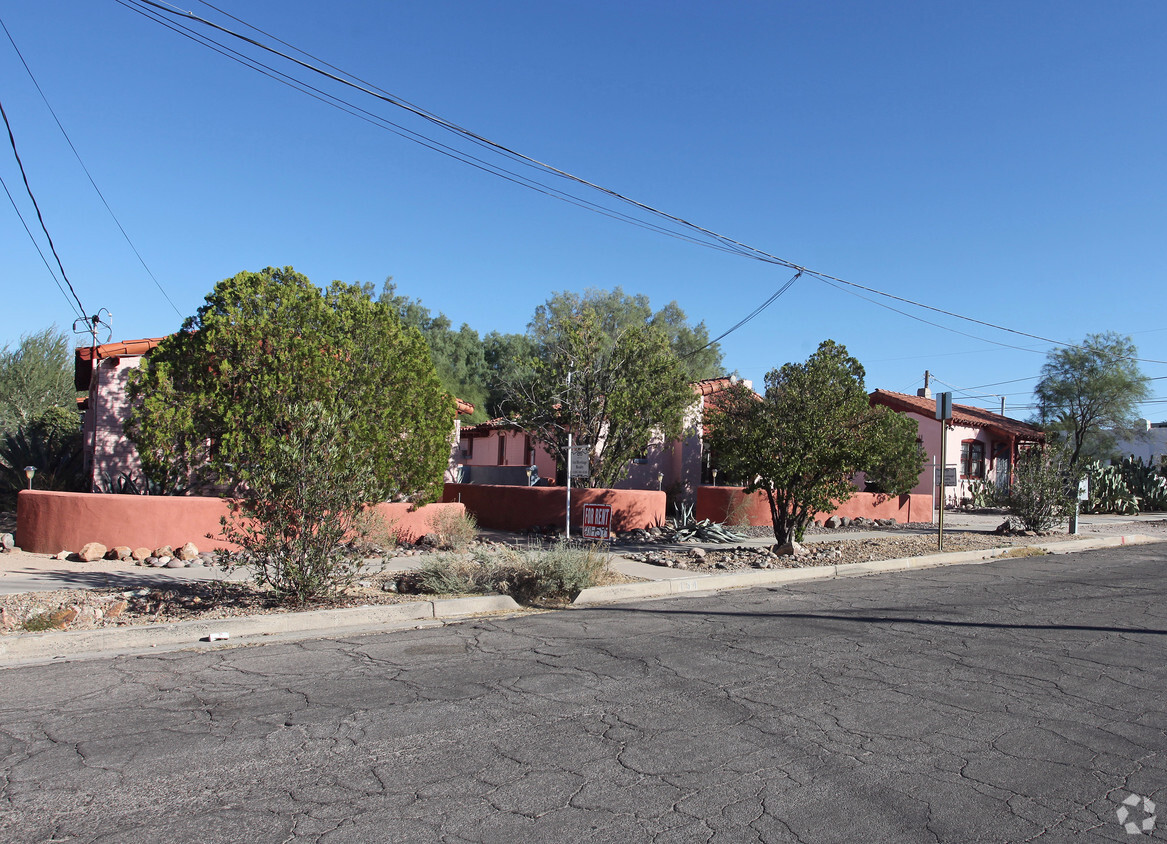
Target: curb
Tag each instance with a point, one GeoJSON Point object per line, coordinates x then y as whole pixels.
{"type": "Point", "coordinates": [182, 635]}
{"type": "Point", "coordinates": [705, 583]}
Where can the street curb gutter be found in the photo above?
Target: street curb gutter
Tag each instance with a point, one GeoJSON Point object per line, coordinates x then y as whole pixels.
{"type": "Point", "coordinates": [82, 644]}
{"type": "Point", "coordinates": [769, 577]}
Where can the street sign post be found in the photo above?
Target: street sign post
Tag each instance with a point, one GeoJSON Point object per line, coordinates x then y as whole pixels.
{"type": "Point", "coordinates": [943, 414]}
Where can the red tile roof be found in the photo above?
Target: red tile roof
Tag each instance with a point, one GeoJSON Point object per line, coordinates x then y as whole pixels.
{"type": "Point", "coordinates": [972, 417]}
{"type": "Point", "coordinates": [465, 408]}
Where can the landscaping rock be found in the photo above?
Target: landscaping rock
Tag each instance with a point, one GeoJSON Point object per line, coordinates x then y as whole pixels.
{"type": "Point", "coordinates": [62, 618]}
{"type": "Point", "coordinates": [123, 552]}
{"type": "Point", "coordinates": [141, 554]}
{"type": "Point", "coordinates": [6, 622]}
{"type": "Point", "coordinates": [156, 562]}
{"type": "Point", "coordinates": [62, 555]}
{"type": "Point", "coordinates": [789, 549]}
{"type": "Point", "coordinates": [699, 553]}
{"type": "Point", "coordinates": [7, 543]}
{"type": "Point", "coordinates": [175, 563]}
{"type": "Point", "coordinates": [117, 609]}
{"type": "Point", "coordinates": [833, 522]}
{"type": "Point", "coordinates": [91, 552]}
{"type": "Point", "coordinates": [188, 552]}
{"type": "Point", "coordinates": [164, 551]}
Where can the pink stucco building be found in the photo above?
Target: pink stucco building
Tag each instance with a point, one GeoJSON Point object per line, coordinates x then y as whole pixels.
{"type": "Point", "coordinates": [981, 445]}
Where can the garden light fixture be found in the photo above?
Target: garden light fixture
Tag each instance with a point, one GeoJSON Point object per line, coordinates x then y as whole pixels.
{"type": "Point", "coordinates": [29, 471]}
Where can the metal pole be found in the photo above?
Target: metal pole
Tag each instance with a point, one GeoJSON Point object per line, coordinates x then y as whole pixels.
{"type": "Point", "coordinates": [567, 531]}
{"type": "Point", "coordinates": [933, 489]}
{"type": "Point", "coordinates": [943, 470]}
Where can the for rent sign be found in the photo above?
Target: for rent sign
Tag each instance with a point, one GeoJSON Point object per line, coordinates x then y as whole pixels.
{"type": "Point", "coordinates": [597, 521]}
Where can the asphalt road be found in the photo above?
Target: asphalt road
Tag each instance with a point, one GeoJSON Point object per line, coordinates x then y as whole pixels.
{"type": "Point", "coordinates": [1019, 700]}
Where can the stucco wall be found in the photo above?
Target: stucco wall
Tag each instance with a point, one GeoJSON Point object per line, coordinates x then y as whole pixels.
{"type": "Point", "coordinates": [110, 405]}
{"type": "Point", "coordinates": [48, 522]}
{"type": "Point", "coordinates": [522, 508]}
{"type": "Point", "coordinates": [731, 504]}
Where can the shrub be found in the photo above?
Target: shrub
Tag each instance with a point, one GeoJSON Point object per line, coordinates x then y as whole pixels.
{"type": "Point", "coordinates": [1043, 491]}
{"type": "Point", "coordinates": [557, 573]}
{"type": "Point", "coordinates": [302, 521]}
{"type": "Point", "coordinates": [455, 529]}
{"type": "Point", "coordinates": [52, 443]}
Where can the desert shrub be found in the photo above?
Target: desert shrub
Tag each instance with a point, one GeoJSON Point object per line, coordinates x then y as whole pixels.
{"type": "Point", "coordinates": [529, 576]}
{"type": "Point", "coordinates": [1043, 491]}
{"type": "Point", "coordinates": [51, 443]}
{"type": "Point", "coordinates": [454, 529]}
{"type": "Point", "coordinates": [302, 522]}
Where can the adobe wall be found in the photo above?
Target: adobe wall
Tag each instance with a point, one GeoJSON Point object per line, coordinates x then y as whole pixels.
{"type": "Point", "coordinates": [729, 503]}
{"type": "Point", "coordinates": [522, 508]}
{"type": "Point", "coordinates": [48, 522]}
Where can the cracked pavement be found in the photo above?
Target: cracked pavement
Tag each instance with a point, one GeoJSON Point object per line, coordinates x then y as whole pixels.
{"type": "Point", "coordinates": [1018, 700]}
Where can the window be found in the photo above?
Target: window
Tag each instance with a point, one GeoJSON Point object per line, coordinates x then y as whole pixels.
{"type": "Point", "coordinates": [468, 451]}
{"type": "Point", "coordinates": [502, 448]}
{"type": "Point", "coordinates": [528, 451]}
{"type": "Point", "coordinates": [972, 459]}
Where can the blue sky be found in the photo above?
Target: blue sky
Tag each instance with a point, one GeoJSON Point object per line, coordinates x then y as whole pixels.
{"type": "Point", "coordinates": [1004, 161]}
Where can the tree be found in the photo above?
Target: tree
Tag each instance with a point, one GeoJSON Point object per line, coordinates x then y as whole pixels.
{"type": "Point", "coordinates": [613, 386]}
{"type": "Point", "coordinates": [617, 312]}
{"type": "Point", "coordinates": [1089, 391]}
{"type": "Point", "coordinates": [35, 376]}
{"type": "Point", "coordinates": [458, 356]}
{"type": "Point", "coordinates": [807, 438]}
{"type": "Point", "coordinates": [210, 404]}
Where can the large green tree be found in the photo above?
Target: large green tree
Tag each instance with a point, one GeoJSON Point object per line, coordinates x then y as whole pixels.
{"type": "Point", "coordinates": [458, 356]}
{"type": "Point", "coordinates": [35, 376]}
{"type": "Point", "coordinates": [804, 441]}
{"type": "Point", "coordinates": [612, 386]}
{"type": "Point", "coordinates": [211, 403]}
{"type": "Point", "coordinates": [1090, 392]}
{"type": "Point", "coordinates": [617, 312]}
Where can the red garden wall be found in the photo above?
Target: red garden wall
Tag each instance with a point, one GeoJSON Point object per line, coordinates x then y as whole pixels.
{"type": "Point", "coordinates": [524, 507]}
{"type": "Point", "coordinates": [729, 503]}
{"type": "Point", "coordinates": [48, 522]}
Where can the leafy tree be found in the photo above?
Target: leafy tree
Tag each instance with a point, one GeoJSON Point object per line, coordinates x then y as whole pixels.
{"type": "Point", "coordinates": [626, 384]}
{"type": "Point", "coordinates": [211, 402]}
{"type": "Point", "coordinates": [807, 438]}
{"type": "Point", "coordinates": [1089, 391]}
{"type": "Point", "coordinates": [458, 356]}
{"type": "Point", "coordinates": [35, 376]}
{"type": "Point", "coordinates": [617, 312]}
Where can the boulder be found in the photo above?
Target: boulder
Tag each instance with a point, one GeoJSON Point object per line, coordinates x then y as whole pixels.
{"type": "Point", "coordinates": [164, 551]}
{"type": "Point", "coordinates": [141, 554]}
{"type": "Point", "coordinates": [187, 552]}
{"type": "Point", "coordinates": [698, 553]}
{"type": "Point", "coordinates": [63, 617]}
{"type": "Point", "coordinates": [62, 555]}
{"type": "Point", "coordinates": [123, 552]}
{"type": "Point", "coordinates": [833, 522]}
{"type": "Point", "coordinates": [7, 543]}
{"type": "Point", "coordinates": [175, 563]}
{"type": "Point", "coordinates": [789, 549]}
{"type": "Point", "coordinates": [117, 609]}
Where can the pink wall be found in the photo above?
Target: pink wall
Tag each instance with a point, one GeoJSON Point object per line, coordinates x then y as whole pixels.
{"type": "Point", "coordinates": [110, 405]}
{"type": "Point", "coordinates": [48, 522]}
{"type": "Point", "coordinates": [929, 433]}
{"type": "Point", "coordinates": [522, 508]}
{"type": "Point", "coordinates": [729, 503]}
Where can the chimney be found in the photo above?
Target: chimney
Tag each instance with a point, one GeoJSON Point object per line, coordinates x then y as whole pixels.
{"type": "Point", "coordinates": [925, 391]}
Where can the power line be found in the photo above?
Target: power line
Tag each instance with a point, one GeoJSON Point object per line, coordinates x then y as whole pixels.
{"type": "Point", "coordinates": [35, 244]}
{"type": "Point", "coordinates": [88, 175]}
{"type": "Point", "coordinates": [39, 216]}
{"type": "Point", "coordinates": [715, 239]}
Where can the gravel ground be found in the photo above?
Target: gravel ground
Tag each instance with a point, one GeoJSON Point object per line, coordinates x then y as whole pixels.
{"type": "Point", "coordinates": [90, 608]}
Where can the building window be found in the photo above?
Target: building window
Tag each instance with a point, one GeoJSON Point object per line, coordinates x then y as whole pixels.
{"type": "Point", "coordinates": [502, 448]}
{"type": "Point", "coordinates": [468, 451]}
{"type": "Point", "coordinates": [528, 451]}
{"type": "Point", "coordinates": [972, 459]}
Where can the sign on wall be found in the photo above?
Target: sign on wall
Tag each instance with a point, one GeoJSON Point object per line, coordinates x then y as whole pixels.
{"type": "Point", "coordinates": [580, 461]}
{"type": "Point", "coordinates": [597, 521]}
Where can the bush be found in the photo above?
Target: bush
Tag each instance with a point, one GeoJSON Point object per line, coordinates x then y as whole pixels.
{"type": "Point", "coordinates": [454, 529]}
{"type": "Point", "coordinates": [1043, 491]}
{"type": "Point", "coordinates": [558, 573]}
{"type": "Point", "coordinates": [302, 522]}
{"type": "Point", "coordinates": [52, 443]}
